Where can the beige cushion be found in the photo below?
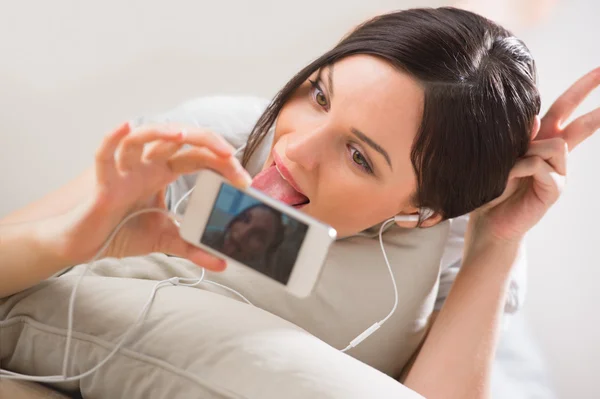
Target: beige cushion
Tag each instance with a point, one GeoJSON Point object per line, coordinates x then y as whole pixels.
{"type": "Point", "coordinates": [194, 343]}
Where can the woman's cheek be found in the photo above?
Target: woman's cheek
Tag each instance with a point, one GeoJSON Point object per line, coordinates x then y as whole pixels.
{"type": "Point", "coordinates": [291, 115]}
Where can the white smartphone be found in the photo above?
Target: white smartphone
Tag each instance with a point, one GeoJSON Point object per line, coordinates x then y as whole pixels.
{"type": "Point", "coordinates": [250, 228]}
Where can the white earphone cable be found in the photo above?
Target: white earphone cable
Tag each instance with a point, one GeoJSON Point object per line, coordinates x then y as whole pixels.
{"type": "Point", "coordinates": [365, 334]}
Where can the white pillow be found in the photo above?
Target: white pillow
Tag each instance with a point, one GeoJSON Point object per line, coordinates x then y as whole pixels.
{"type": "Point", "coordinates": [194, 343]}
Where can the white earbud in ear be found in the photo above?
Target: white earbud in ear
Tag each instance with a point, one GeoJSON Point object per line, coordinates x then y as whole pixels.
{"type": "Point", "coordinates": [424, 214]}
{"type": "Point", "coordinates": [406, 218]}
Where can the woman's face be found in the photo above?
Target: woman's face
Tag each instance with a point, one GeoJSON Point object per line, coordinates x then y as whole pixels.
{"type": "Point", "coordinates": [252, 234]}
{"type": "Point", "coordinates": [344, 139]}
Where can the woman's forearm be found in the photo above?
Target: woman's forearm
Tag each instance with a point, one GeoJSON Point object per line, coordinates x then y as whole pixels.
{"type": "Point", "coordinates": [456, 358]}
{"type": "Point", "coordinates": [59, 201]}
{"type": "Point", "coordinates": [28, 236]}
{"type": "Point", "coordinates": [26, 257]}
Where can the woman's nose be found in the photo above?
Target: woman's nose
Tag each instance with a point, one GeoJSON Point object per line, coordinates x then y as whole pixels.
{"type": "Point", "coordinates": [306, 148]}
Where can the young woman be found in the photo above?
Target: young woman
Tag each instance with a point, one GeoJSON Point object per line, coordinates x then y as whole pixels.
{"type": "Point", "coordinates": [417, 109]}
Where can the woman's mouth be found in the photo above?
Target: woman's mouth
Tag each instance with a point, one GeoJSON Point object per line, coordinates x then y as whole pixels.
{"type": "Point", "coordinates": [300, 206]}
{"type": "Point", "coordinates": [300, 200]}
{"type": "Point", "coordinates": [287, 176]}
{"type": "Point", "coordinates": [277, 182]}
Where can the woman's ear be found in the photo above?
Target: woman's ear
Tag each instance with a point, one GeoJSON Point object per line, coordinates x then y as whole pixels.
{"type": "Point", "coordinates": [536, 127]}
{"type": "Point", "coordinates": [432, 220]}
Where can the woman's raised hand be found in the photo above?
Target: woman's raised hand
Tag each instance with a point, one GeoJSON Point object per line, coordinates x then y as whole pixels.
{"type": "Point", "coordinates": [132, 170]}
{"type": "Point", "coordinates": [536, 181]}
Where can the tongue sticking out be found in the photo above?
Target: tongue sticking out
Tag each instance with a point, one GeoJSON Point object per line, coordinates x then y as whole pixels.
{"type": "Point", "coordinates": [270, 182]}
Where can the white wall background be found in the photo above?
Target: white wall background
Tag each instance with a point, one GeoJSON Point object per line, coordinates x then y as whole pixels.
{"type": "Point", "coordinates": [70, 70]}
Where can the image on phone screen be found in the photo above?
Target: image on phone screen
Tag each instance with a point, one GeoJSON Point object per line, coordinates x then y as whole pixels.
{"type": "Point", "coordinates": [253, 233]}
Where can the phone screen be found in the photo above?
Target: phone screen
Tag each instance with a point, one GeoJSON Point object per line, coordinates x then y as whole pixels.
{"type": "Point", "coordinates": [254, 233]}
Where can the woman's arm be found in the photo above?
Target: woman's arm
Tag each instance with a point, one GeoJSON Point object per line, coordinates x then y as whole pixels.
{"type": "Point", "coordinates": [456, 357]}
{"type": "Point", "coordinates": [27, 254]}
{"type": "Point", "coordinates": [131, 172]}
{"type": "Point", "coordinates": [453, 256]}
{"type": "Point", "coordinates": [25, 257]}
{"type": "Point", "coordinates": [452, 262]}
{"type": "Point", "coordinates": [56, 202]}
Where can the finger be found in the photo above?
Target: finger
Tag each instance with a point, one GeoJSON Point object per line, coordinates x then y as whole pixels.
{"type": "Point", "coordinates": [547, 182]}
{"type": "Point", "coordinates": [161, 150]}
{"type": "Point", "coordinates": [105, 156]}
{"type": "Point", "coordinates": [193, 136]}
{"type": "Point", "coordinates": [554, 151]}
{"type": "Point", "coordinates": [192, 159]}
{"type": "Point", "coordinates": [206, 138]}
{"type": "Point", "coordinates": [204, 259]}
{"type": "Point", "coordinates": [131, 149]}
{"type": "Point", "coordinates": [582, 128]}
{"type": "Point", "coordinates": [160, 199]}
{"type": "Point", "coordinates": [564, 106]}
{"type": "Point", "coordinates": [527, 167]}
{"type": "Point", "coordinates": [171, 243]}
{"type": "Point", "coordinates": [512, 186]}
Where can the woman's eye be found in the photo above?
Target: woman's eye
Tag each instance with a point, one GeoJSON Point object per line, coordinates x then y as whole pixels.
{"type": "Point", "coordinates": [360, 160]}
{"type": "Point", "coordinates": [321, 100]}
{"type": "Point", "coordinates": [317, 93]}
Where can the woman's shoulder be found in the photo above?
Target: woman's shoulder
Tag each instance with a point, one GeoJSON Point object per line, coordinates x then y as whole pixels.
{"type": "Point", "coordinates": [233, 105]}
{"type": "Point", "coordinates": [231, 116]}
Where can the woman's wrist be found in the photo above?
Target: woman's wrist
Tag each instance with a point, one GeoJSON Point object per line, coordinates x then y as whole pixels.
{"type": "Point", "coordinates": [28, 256]}
{"type": "Point", "coordinates": [66, 238]}
{"type": "Point", "coordinates": [481, 243]}
{"type": "Point", "coordinates": [49, 236]}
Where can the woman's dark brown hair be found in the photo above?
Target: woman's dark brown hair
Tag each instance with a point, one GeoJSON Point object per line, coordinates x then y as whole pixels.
{"type": "Point", "coordinates": [479, 107]}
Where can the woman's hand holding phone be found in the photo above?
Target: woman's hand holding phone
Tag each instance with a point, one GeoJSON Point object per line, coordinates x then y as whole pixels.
{"type": "Point", "coordinates": [132, 170]}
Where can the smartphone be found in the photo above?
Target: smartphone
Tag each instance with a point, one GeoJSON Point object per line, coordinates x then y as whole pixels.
{"type": "Point", "coordinates": [249, 228]}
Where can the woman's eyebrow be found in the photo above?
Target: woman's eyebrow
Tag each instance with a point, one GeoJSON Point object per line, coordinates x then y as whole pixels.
{"type": "Point", "coordinates": [367, 140]}
{"type": "Point", "coordinates": [329, 79]}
